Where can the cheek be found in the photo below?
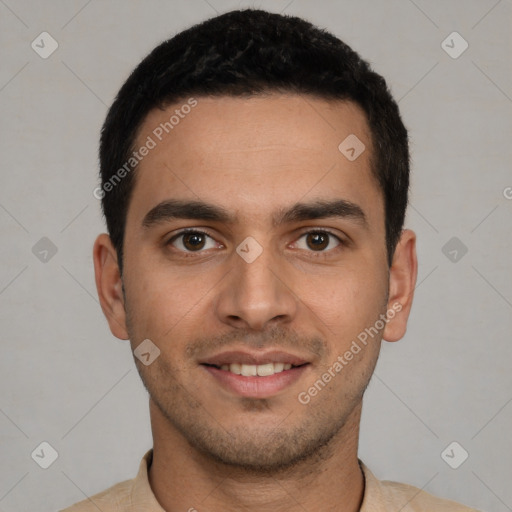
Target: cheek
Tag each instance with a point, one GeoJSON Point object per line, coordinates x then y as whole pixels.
{"type": "Point", "coordinates": [164, 301]}
{"type": "Point", "coordinates": [346, 299]}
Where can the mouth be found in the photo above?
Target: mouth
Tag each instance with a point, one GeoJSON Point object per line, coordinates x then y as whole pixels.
{"type": "Point", "coordinates": [255, 370]}
{"type": "Point", "coordinates": [253, 375]}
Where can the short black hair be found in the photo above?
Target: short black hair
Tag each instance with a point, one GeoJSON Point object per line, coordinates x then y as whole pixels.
{"type": "Point", "coordinates": [244, 53]}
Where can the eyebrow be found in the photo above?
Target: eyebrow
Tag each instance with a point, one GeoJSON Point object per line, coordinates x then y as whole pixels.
{"type": "Point", "coordinates": [198, 210]}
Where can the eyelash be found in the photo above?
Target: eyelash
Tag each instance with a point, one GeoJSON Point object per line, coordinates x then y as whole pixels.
{"type": "Point", "coordinates": [188, 231]}
{"type": "Point", "coordinates": [313, 231]}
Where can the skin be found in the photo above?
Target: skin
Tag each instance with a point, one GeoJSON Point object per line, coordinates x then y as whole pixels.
{"type": "Point", "coordinates": [213, 449]}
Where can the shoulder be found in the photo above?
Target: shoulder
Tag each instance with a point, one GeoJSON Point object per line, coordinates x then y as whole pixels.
{"type": "Point", "coordinates": [110, 500]}
{"type": "Point", "coordinates": [412, 499]}
{"type": "Point", "coordinates": [385, 495]}
{"type": "Point", "coordinates": [127, 496]}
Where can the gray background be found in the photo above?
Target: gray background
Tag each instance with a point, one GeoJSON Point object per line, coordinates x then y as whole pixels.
{"type": "Point", "coordinates": [67, 381]}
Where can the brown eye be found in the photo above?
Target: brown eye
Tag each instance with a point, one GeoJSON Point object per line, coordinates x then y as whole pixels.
{"type": "Point", "coordinates": [194, 241]}
{"type": "Point", "coordinates": [317, 241]}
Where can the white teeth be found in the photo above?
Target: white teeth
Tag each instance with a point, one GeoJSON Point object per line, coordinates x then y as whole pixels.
{"type": "Point", "coordinates": [265, 370]}
{"type": "Point", "coordinates": [278, 367]}
{"type": "Point", "coordinates": [234, 368]}
{"type": "Point", "coordinates": [249, 370]}
{"type": "Point", "coordinates": [253, 370]}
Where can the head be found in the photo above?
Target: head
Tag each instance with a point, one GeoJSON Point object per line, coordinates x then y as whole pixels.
{"type": "Point", "coordinates": [234, 131]}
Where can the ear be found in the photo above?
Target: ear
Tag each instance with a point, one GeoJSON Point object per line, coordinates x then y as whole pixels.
{"type": "Point", "coordinates": [402, 281]}
{"type": "Point", "coordinates": [109, 285]}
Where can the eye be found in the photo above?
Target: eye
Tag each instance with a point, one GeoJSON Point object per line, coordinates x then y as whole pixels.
{"type": "Point", "coordinates": [318, 241]}
{"type": "Point", "coordinates": [192, 241]}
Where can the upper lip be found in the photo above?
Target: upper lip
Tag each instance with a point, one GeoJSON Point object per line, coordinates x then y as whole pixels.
{"type": "Point", "coordinates": [257, 358]}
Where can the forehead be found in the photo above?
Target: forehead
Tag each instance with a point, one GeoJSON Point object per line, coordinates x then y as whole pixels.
{"type": "Point", "coordinates": [250, 154]}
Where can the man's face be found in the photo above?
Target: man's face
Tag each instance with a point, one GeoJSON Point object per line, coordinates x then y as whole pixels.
{"type": "Point", "coordinates": [256, 279]}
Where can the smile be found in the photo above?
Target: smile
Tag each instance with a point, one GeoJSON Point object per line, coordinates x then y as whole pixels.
{"type": "Point", "coordinates": [253, 370]}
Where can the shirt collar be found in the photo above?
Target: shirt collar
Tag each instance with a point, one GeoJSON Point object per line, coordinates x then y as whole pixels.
{"type": "Point", "coordinates": [373, 499]}
{"type": "Point", "coordinates": [142, 497]}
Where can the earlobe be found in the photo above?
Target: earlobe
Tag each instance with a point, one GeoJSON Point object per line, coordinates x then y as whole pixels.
{"type": "Point", "coordinates": [402, 281]}
{"type": "Point", "coordinates": [109, 285]}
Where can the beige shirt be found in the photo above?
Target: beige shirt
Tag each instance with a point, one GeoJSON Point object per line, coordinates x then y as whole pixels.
{"type": "Point", "coordinates": [379, 496]}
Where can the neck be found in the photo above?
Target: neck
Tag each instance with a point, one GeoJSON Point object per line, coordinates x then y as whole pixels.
{"type": "Point", "coordinates": [184, 479]}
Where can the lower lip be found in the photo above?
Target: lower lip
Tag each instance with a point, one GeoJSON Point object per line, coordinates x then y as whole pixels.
{"type": "Point", "coordinates": [256, 387]}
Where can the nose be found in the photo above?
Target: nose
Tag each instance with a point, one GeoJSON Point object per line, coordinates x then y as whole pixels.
{"type": "Point", "coordinates": [255, 295]}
